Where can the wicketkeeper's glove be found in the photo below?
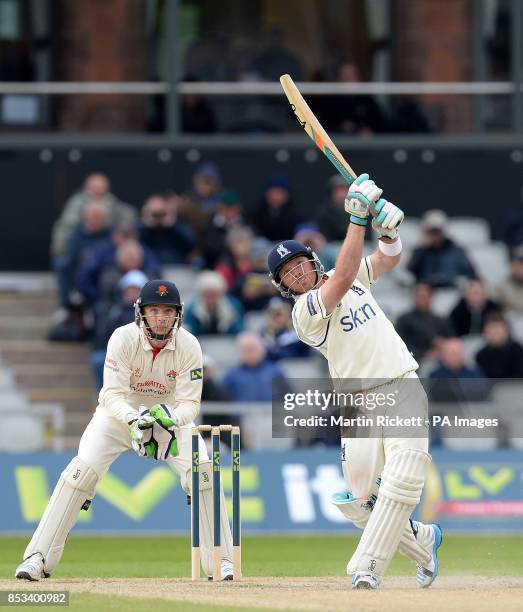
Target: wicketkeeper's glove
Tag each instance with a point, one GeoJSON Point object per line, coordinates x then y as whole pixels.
{"type": "Point", "coordinates": [153, 434]}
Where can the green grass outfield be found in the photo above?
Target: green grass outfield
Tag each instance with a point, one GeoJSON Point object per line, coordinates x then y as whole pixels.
{"type": "Point", "coordinates": [169, 556]}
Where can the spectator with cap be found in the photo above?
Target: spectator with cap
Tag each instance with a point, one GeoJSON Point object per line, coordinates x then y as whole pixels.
{"type": "Point", "coordinates": [469, 314]}
{"type": "Point", "coordinates": [332, 217]}
{"type": "Point", "coordinates": [275, 218]}
{"type": "Point", "coordinates": [254, 289]}
{"type": "Point", "coordinates": [197, 204]}
{"type": "Point", "coordinates": [309, 235]}
{"type": "Point", "coordinates": [212, 311]}
{"type": "Point", "coordinates": [252, 379]}
{"type": "Point", "coordinates": [163, 232]}
{"type": "Point", "coordinates": [278, 334]}
{"type": "Point", "coordinates": [96, 188]}
{"type": "Point", "coordinates": [420, 328]}
{"type": "Point", "coordinates": [236, 259]}
{"type": "Point", "coordinates": [439, 262]}
{"type": "Point", "coordinates": [509, 292]}
{"type": "Point", "coordinates": [121, 313]}
{"type": "Point", "coordinates": [501, 356]}
{"type": "Point", "coordinates": [227, 216]}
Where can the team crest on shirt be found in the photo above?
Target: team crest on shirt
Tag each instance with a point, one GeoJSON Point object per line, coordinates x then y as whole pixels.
{"type": "Point", "coordinates": [357, 290]}
{"type": "Point", "coordinates": [137, 372]}
{"type": "Point", "coordinates": [282, 251]}
{"type": "Point", "coordinates": [172, 374]}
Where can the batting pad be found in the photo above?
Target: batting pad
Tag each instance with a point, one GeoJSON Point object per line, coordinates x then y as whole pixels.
{"type": "Point", "coordinates": [75, 486]}
{"type": "Point", "coordinates": [206, 530]}
{"type": "Point", "coordinates": [418, 549]}
{"type": "Point", "coordinates": [400, 492]}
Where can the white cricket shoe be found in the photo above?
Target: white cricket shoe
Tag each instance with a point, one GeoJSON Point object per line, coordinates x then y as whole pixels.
{"type": "Point", "coordinates": [227, 570]}
{"type": "Point", "coordinates": [365, 581]}
{"type": "Point", "coordinates": [32, 568]}
{"type": "Point", "coordinates": [426, 575]}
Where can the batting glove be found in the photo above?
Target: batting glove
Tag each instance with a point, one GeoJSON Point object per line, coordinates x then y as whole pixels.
{"type": "Point", "coordinates": [361, 195]}
{"type": "Point", "coordinates": [386, 214]}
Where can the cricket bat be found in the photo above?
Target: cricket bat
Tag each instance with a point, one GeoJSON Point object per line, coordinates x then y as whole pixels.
{"type": "Point", "coordinates": [314, 130]}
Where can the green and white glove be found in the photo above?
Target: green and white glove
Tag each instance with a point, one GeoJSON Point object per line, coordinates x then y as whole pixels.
{"type": "Point", "coordinates": [152, 434]}
{"type": "Point", "coordinates": [163, 432]}
{"type": "Point", "coordinates": [361, 195]}
{"type": "Point", "coordinates": [386, 215]}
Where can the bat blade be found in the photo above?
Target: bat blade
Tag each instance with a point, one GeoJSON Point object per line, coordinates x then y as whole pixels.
{"type": "Point", "coordinates": [314, 129]}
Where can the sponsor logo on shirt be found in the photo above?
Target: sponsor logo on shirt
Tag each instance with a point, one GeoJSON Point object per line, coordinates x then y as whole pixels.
{"type": "Point", "coordinates": [357, 290]}
{"type": "Point", "coordinates": [357, 317]}
{"type": "Point", "coordinates": [196, 374]}
{"type": "Point", "coordinates": [137, 372]}
{"type": "Point", "coordinates": [150, 387]}
{"type": "Point", "coordinates": [111, 364]}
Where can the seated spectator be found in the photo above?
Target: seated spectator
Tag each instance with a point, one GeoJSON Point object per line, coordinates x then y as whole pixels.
{"type": "Point", "coordinates": [448, 385]}
{"type": "Point", "coordinates": [95, 188]}
{"type": "Point", "coordinates": [237, 259]}
{"type": "Point", "coordinates": [278, 335]}
{"type": "Point", "coordinates": [332, 217]}
{"type": "Point", "coordinates": [121, 313]}
{"type": "Point", "coordinates": [309, 235]}
{"type": "Point", "coordinates": [93, 230]}
{"type": "Point", "coordinates": [439, 262]}
{"type": "Point", "coordinates": [163, 232]}
{"type": "Point", "coordinates": [196, 205]}
{"type": "Point", "coordinates": [254, 289]}
{"type": "Point", "coordinates": [509, 293]}
{"type": "Point", "coordinates": [129, 256]}
{"type": "Point", "coordinates": [502, 356]}
{"type": "Point", "coordinates": [468, 316]}
{"type": "Point", "coordinates": [226, 217]}
{"type": "Point", "coordinates": [252, 379]}
{"type": "Point", "coordinates": [452, 361]}
{"type": "Point", "coordinates": [212, 311]}
{"type": "Point", "coordinates": [420, 328]}
{"type": "Point", "coordinates": [103, 256]}
{"type": "Point", "coordinates": [275, 218]}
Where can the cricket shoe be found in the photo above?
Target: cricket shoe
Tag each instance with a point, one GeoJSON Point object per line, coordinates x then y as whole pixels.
{"type": "Point", "coordinates": [365, 581]}
{"type": "Point", "coordinates": [227, 571]}
{"type": "Point", "coordinates": [32, 568]}
{"type": "Point", "coordinates": [426, 575]}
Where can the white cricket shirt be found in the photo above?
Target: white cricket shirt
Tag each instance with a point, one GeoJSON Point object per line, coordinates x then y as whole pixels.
{"type": "Point", "coordinates": [357, 339]}
{"type": "Point", "coordinates": [133, 377]}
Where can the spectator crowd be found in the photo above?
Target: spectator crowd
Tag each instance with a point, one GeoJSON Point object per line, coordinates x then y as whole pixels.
{"type": "Point", "coordinates": [104, 250]}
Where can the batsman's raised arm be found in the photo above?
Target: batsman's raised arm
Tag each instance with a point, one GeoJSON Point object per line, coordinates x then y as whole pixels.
{"type": "Point", "coordinates": [362, 194]}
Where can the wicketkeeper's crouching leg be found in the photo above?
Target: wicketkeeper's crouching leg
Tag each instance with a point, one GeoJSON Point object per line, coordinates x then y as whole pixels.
{"type": "Point", "coordinates": [73, 492]}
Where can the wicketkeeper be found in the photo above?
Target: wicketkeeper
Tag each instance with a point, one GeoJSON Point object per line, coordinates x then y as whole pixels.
{"type": "Point", "coordinates": [150, 398]}
{"type": "Point", "coordinates": [336, 314]}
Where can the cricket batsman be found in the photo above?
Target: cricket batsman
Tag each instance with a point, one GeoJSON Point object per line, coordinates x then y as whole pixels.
{"type": "Point", "coordinates": [150, 398]}
{"type": "Point", "coordinates": [335, 313]}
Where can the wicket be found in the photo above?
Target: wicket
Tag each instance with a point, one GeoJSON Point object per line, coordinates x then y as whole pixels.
{"type": "Point", "coordinates": [195, 500]}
